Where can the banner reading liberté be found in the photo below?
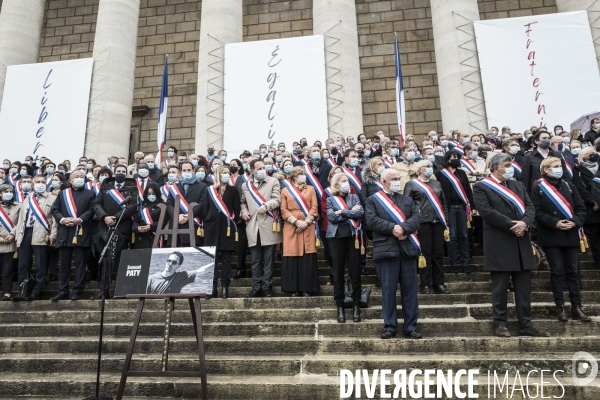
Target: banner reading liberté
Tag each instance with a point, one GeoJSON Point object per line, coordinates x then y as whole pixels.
{"type": "Point", "coordinates": [44, 110]}
{"type": "Point", "coordinates": [538, 70]}
{"type": "Point", "coordinates": [274, 92]}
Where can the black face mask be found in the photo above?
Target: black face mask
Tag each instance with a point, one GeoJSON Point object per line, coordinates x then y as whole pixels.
{"type": "Point", "coordinates": [233, 170]}
{"type": "Point", "coordinates": [594, 157]}
{"type": "Point", "coordinates": [297, 152]}
{"type": "Point", "coordinates": [211, 151]}
{"type": "Point", "coordinates": [455, 163]}
{"type": "Point", "coordinates": [120, 178]}
{"type": "Point", "coordinates": [334, 151]}
{"type": "Point", "coordinates": [361, 153]}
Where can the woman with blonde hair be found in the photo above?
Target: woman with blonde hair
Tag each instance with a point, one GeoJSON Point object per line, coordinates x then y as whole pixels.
{"type": "Point", "coordinates": [370, 178]}
{"type": "Point", "coordinates": [299, 209]}
{"type": "Point", "coordinates": [559, 215]}
{"type": "Point", "coordinates": [345, 213]}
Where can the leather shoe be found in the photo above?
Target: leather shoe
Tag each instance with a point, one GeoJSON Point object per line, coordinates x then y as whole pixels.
{"type": "Point", "coordinates": [241, 273]}
{"type": "Point", "coordinates": [441, 289]}
{"type": "Point", "coordinates": [225, 292]}
{"type": "Point", "coordinates": [425, 290]}
{"type": "Point", "coordinates": [305, 294]}
{"type": "Point", "coordinates": [254, 293]}
{"type": "Point", "coordinates": [577, 314]}
{"type": "Point", "coordinates": [19, 298]}
{"type": "Point", "coordinates": [75, 296]}
{"type": "Point", "coordinates": [33, 297]}
{"type": "Point", "coordinates": [341, 315]}
{"type": "Point", "coordinates": [501, 331]}
{"type": "Point", "coordinates": [466, 269]}
{"type": "Point", "coordinates": [267, 293]}
{"type": "Point", "coordinates": [295, 294]}
{"type": "Point", "coordinates": [413, 335]}
{"type": "Point", "coordinates": [561, 314]}
{"type": "Point", "coordinates": [61, 296]}
{"type": "Point", "coordinates": [356, 314]}
{"type": "Point", "coordinates": [388, 335]}
{"type": "Point", "coordinates": [533, 331]}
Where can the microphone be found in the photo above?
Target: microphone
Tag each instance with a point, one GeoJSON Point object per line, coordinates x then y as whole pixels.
{"type": "Point", "coordinates": [127, 199]}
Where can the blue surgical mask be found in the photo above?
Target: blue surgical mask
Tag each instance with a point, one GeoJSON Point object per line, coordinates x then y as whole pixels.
{"type": "Point", "coordinates": [89, 165]}
{"type": "Point", "coordinates": [410, 156]}
{"type": "Point", "coordinates": [508, 173]}
{"type": "Point", "coordinates": [188, 178]}
{"type": "Point", "coordinates": [171, 154]}
{"type": "Point", "coordinates": [316, 156]}
{"type": "Point", "coordinates": [326, 155]}
{"type": "Point", "coordinates": [444, 143]}
{"type": "Point", "coordinates": [50, 170]}
{"type": "Point", "coordinates": [431, 159]}
{"type": "Point", "coordinates": [345, 187]}
{"type": "Point", "coordinates": [13, 171]}
{"type": "Point", "coordinates": [394, 152]}
{"type": "Point", "coordinates": [261, 174]}
{"type": "Point", "coordinates": [101, 178]}
{"type": "Point", "coordinates": [557, 172]}
{"type": "Point", "coordinates": [367, 153]}
{"type": "Point", "coordinates": [428, 171]}
{"type": "Point", "coordinates": [151, 198]}
{"type": "Point", "coordinates": [150, 165]}
{"type": "Point", "coordinates": [474, 155]}
{"type": "Point", "coordinates": [78, 182]}
{"type": "Point", "coordinates": [288, 168]}
{"type": "Point", "coordinates": [200, 175]}
{"type": "Point", "coordinates": [268, 167]}
{"type": "Point", "coordinates": [23, 172]}
{"type": "Point", "coordinates": [353, 162]}
{"type": "Point", "coordinates": [225, 178]}
{"type": "Point", "coordinates": [195, 163]}
{"type": "Point", "coordinates": [55, 184]}
{"type": "Point", "coordinates": [282, 149]}
{"type": "Point", "coordinates": [26, 187]}
{"type": "Point", "coordinates": [576, 151]}
{"type": "Point", "coordinates": [172, 177]}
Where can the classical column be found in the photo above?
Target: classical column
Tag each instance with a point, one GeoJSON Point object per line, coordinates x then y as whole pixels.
{"type": "Point", "coordinates": [111, 98]}
{"type": "Point", "coordinates": [221, 23]}
{"type": "Point", "coordinates": [20, 34]}
{"type": "Point", "coordinates": [457, 97]}
{"type": "Point", "coordinates": [337, 20]}
{"type": "Point", "coordinates": [593, 14]}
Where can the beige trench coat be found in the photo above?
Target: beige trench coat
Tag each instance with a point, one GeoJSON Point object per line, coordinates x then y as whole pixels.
{"type": "Point", "coordinates": [271, 192]}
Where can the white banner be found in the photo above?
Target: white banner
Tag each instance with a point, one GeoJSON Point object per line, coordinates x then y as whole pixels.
{"type": "Point", "coordinates": [274, 92]}
{"type": "Point", "coordinates": [538, 70]}
{"type": "Point", "coordinates": [44, 110]}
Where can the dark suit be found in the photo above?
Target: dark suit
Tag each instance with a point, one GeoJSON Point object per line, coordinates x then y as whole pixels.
{"type": "Point", "coordinates": [194, 194]}
{"type": "Point", "coordinates": [145, 240]}
{"type": "Point", "coordinates": [395, 260]}
{"type": "Point", "coordinates": [215, 229]}
{"type": "Point", "coordinates": [506, 255]}
{"type": "Point", "coordinates": [531, 167]}
{"type": "Point", "coordinates": [84, 201]}
{"type": "Point", "coordinates": [561, 247]}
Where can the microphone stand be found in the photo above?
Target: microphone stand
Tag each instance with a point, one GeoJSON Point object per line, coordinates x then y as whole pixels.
{"type": "Point", "coordinates": [113, 230]}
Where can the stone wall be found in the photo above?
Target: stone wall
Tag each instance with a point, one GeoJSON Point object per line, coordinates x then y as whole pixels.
{"type": "Point", "coordinates": [172, 27]}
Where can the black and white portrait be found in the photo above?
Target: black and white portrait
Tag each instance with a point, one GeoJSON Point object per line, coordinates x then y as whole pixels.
{"type": "Point", "coordinates": [181, 270]}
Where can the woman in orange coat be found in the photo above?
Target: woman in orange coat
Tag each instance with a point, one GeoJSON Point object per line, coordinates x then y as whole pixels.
{"type": "Point", "coordinates": [299, 271]}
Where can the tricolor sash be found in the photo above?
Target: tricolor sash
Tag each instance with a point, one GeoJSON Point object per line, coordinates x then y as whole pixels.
{"type": "Point", "coordinates": [313, 180]}
{"type": "Point", "coordinates": [183, 206]}
{"type": "Point", "coordinates": [140, 191]}
{"type": "Point", "coordinates": [6, 221]}
{"type": "Point", "coordinates": [558, 199]}
{"type": "Point", "coordinates": [38, 213]}
{"type": "Point", "coordinates": [356, 228]}
{"type": "Point", "coordinates": [506, 194]}
{"type": "Point", "coordinates": [468, 165]}
{"type": "Point", "coordinates": [388, 163]}
{"type": "Point", "coordinates": [397, 215]}
{"type": "Point", "coordinates": [433, 199]}
{"type": "Point", "coordinates": [211, 178]}
{"type": "Point", "coordinates": [117, 197]}
{"type": "Point", "coordinates": [222, 207]}
{"type": "Point", "coordinates": [458, 187]}
{"type": "Point", "coordinates": [517, 167]}
{"type": "Point", "coordinates": [457, 147]}
{"type": "Point", "coordinates": [596, 180]}
{"type": "Point", "coordinates": [19, 195]}
{"type": "Point", "coordinates": [569, 169]}
{"type": "Point", "coordinates": [166, 163]}
{"type": "Point", "coordinates": [331, 162]}
{"type": "Point", "coordinates": [353, 179]}
{"type": "Point", "coordinates": [11, 178]}
{"type": "Point", "coordinates": [146, 216]}
{"type": "Point", "coordinates": [255, 194]}
{"type": "Point", "coordinates": [165, 191]}
{"type": "Point", "coordinates": [96, 189]}
{"type": "Point", "coordinates": [89, 185]}
{"type": "Point", "coordinates": [72, 210]}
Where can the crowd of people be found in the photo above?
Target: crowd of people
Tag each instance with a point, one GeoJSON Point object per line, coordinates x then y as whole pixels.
{"type": "Point", "coordinates": [413, 202]}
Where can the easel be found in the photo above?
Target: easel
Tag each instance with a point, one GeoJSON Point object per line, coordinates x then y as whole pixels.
{"type": "Point", "coordinates": [194, 302]}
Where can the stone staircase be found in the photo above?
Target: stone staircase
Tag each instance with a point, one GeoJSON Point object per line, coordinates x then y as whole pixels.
{"type": "Point", "coordinates": [290, 348]}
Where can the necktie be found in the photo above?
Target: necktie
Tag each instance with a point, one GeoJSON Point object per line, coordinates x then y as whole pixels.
{"type": "Point", "coordinates": [119, 185]}
{"type": "Point", "coordinates": [185, 188]}
{"type": "Point", "coordinates": [143, 184]}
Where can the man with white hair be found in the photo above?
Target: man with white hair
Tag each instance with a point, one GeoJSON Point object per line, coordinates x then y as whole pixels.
{"type": "Point", "coordinates": [155, 173]}
{"type": "Point", "coordinates": [132, 169]}
{"type": "Point", "coordinates": [394, 220]}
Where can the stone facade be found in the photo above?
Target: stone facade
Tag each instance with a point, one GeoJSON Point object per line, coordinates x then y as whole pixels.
{"type": "Point", "coordinates": [172, 27]}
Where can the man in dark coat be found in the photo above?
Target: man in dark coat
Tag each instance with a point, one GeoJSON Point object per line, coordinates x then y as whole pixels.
{"type": "Point", "coordinates": [395, 255]}
{"type": "Point", "coordinates": [193, 192]}
{"type": "Point", "coordinates": [108, 210]}
{"type": "Point", "coordinates": [533, 159]}
{"type": "Point", "coordinates": [507, 245]}
{"type": "Point", "coordinates": [74, 236]}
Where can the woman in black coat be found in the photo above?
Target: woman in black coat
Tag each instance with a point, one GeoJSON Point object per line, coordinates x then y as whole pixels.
{"type": "Point", "coordinates": [144, 231]}
{"type": "Point", "coordinates": [217, 231]}
{"type": "Point", "coordinates": [457, 212]}
{"type": "Point", "coordinates": [558, 233]}
{"type": "Point", "coordinates": [586, 170]}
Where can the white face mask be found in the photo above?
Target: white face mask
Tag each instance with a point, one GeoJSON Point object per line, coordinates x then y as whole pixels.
{"type": "Point", "coordinates": [40, 187]}
{"type": "Point", "coordinates": [395, 186]}
{"type": "Point", "coordinates": [508, 173]}
{"type": "Point", "coordinates": [345, 187]}
{"type": "Point", "coordinates": [380, 170]}
{"type": "Point", "coordinates": [7, 196]}
{"type": "Point", "coordinates": [514, 150]}
{"type": "Point", "coordinates": [143, 172]}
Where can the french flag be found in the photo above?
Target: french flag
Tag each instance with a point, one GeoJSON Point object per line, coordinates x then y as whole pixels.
{"type": "Point", "coordinates": [161, 135]}
{"type": "Point", "coordinates": [400, 109]}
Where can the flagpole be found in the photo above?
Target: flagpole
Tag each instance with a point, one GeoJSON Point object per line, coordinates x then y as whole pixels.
{"type": "Point", "coordinates": [161, 133]}
{"type": "Point", "coordinates": [400, 108]}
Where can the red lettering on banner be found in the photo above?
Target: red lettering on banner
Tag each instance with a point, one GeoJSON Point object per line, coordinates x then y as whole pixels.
{"type": "Point", "coordinates": [541, 108]}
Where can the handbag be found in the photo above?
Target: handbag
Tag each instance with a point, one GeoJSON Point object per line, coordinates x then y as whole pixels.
{"type": "Point", "coordinates": [26, 287]}
{"type": "Point", "coordinates": [365, 295]}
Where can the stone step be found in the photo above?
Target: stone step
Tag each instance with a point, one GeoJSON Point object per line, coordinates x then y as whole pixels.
{"type": "Point", "coordinates": [303, 345]}
{"type": "Point", "coordinates": [182, 315]}
{"type": "Point", "coordinates": [303, 386]}
{"type": "Point", "coordinates": [368, 328]}
{"type": "Point", "coordinates": [282, 365]}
